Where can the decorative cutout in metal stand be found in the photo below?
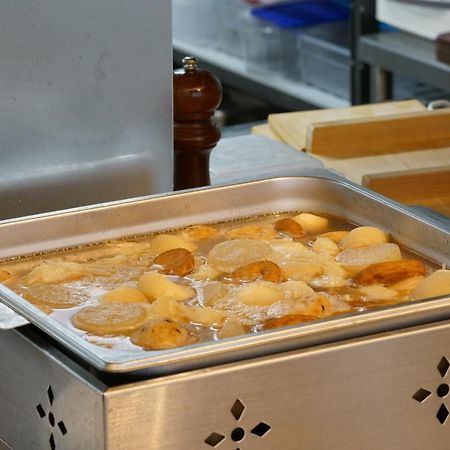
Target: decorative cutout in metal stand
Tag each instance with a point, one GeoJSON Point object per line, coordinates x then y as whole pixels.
{"type": "Point", "coordinates": [442, 391]}
{"type": "Point", "coordinates": [238, 433]}
{"type": "Point", "coordinates": [51, 418]}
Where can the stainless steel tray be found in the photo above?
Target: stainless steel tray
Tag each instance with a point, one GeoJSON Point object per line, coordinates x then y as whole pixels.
{"type": "Point", "coordinates": [155, 213]}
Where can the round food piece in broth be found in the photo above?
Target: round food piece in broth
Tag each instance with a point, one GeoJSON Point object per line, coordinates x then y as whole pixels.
{"type": "Point", "coordinates": [200, 232]}
{"type": "Point", "coordinates": [230, 255]}
{"type": "Point", "coordinates": [164, 242]}
{"type": "Point", "coordinates": [267, 270]}
{"type": "Point", "coordinates": [177, 261]}
{"type": "Point", "coordinates": [252, 232]}
{"type": "Point", "coordinates": [56, 297]}
{"type": "Point", "coordinates": [438, 283]}
{"type": "Point", "coordinates": [311, 223]}
{"type": "Point", "coordinates": [363, 236]}
{"type": "Point", "coordinates": [154, 285]}
{"type": "Point", "coordinates": [260, 293]}
{"type": "Point", "coordinates": [124, 295]}
{"type": "Point", "coordinates": [110, 319]}
{"type": "Point", "coordinates": [160, 334]}
{"type": "Point", "coordinates": [290, 228]}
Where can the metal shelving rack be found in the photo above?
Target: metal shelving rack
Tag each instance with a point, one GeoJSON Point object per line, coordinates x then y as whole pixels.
{"type": "Point", "coordinates": [375, 56]}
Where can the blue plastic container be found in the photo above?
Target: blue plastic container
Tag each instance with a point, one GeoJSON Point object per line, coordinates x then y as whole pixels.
{"type": "Point", "coordinates": [301, 14]}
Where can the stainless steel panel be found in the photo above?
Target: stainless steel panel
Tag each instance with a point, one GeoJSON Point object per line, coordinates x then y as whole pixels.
{"type": "Point", "coordinates": [85, 102]}
{"type": "Point", "coordinates": [339, 198]}
{"type": "Point", "coordinates": [354, 395]}
{"type": "Point", "coordinates": [47, 401]}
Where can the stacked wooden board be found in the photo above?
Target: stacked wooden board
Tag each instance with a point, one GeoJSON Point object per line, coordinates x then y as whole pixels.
{"type": "Point", "coordinates": [399, 149]}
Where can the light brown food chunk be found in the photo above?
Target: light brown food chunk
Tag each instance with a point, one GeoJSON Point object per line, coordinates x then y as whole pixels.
{"type": "Point", "coordinates": [438, 283]}
{"type": "Point", "coordinates": [124, 295]}
{"type": "Point", "coordinates": [4, 275]}
{"type": "Point", "coordinates": [289, 227]}
{"type": "Point", "coordinates": [290, 319]}
{"type": "Point", "coordinates": [335, 236]}
{"type": "Point", "coordinates": [267, 270]}
{"type": "Point", "coordinates": [389, 272]}
{"type": "Point", "coordinates": [159, 334]}
{"type": "Point", "coordinates": [252, 232]}
{"type": "Point", "coordinates": [177, 261]}
{"type": "Point", "coordinates": [114, 318]}
{"type": "Point", "coordinates": [200, 232]}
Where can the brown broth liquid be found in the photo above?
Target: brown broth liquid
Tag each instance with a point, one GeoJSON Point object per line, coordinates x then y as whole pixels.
{"type": "Point", "coordinates": [126, 271]}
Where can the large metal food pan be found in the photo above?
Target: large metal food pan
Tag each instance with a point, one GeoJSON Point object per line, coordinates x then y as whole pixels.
{"type": "Point", "coordinates": [321, 195]}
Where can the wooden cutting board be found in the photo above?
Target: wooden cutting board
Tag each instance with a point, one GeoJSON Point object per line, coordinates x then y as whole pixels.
{"type": "Point", "coordinates": [293, 127]}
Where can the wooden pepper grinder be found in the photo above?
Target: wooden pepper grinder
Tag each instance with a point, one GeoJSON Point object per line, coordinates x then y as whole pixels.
{"type": "Point", "coordinates": [197, 94]}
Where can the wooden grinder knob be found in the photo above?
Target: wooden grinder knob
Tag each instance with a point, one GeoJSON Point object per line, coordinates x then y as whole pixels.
{"type": "Point", "coordinates": [197, 94]}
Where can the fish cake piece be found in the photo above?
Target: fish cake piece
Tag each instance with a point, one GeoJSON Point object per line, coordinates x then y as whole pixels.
{"type": "Point", "coordinates": [389, 272]}
{"type": "Point", "coordinates": [289, 227]}
{"type": "Point", "coordinates": [111, 319]}
{"type": "Point", "coordinates": [267, 270]}
{"type": "Point", "coordinates": [160, 334]}
{"type": "Point", "coordinates": [177, 261]}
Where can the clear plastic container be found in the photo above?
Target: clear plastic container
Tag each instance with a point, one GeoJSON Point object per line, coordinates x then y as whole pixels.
{"type": "Point", "coordinates": [324, 57]}
{"type": "Point", "coordinates": [196, 21]}
{"type": "Point", "coordinates": [230, 13]}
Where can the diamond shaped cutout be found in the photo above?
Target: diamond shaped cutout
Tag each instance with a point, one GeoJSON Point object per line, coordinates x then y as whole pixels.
{"type": "Point", "coordinates": [50, 395]}
{"type": "Point", "coordinates": [421, 395]}
{"type": "Point", "coordinates": [214, 439]}
{"type": "Point", "coordinates": [237, 409]}
{"type": "Point", "coordinates": [443, 366]}
{"type": "Point", "coordinates": [442, 414]}
{"type": "Point", "coordinates": [261, 429]}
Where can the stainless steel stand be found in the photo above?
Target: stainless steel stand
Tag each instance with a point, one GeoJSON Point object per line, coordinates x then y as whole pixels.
{"type": "Point", "coordinates": [386, 391]}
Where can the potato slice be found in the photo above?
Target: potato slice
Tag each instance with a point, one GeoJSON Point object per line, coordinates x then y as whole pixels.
{"type": "Point", "coordinates": [325, 246]}
{"type": "Point", "coordinates": [335, 236]}
{"type": "Point", "coordinates": [114, 319]}
{"type": "Point", "coordinates": [169, 309]}
{"type": "Point", "coordinates": [160, 334]}
{"type": "Point", "coordinates": [231, 328]}
{"type": "Point", "coordinates": [203, 273]}
{"type": "Point", "coordinates": [296, 289]}
{"type": "Point", "coordinates": [389, 272]}
{"type": "Point", "coordinates": [230, 255]}
{"type": "Point", "coordinates": [55, 272]}
{"type": "Point", "coordinates": [316, 306]}
{"type": "Point", "coordinates": [363, 236]}
{"type": "Point", "coordinates": [438, 283]}
{"type": "Point", "coordinates": [311, 223]}
{"type": "Point", "coordinates": [356, 259]}
{"type": "Point", "coordinates": [164, 242]}
{"type": "Point", "coordinates": [154, 285]}
{"type": "Point", "coordinates": [252, 232]}
{"type": "Point", "coordinates": [124, 295]}
{"type": "Point", "coordinates": [378, 292]}
{"type": "Point", "coordinates": [205, 315]}
{"type": "Point", "coordinates": [301, 271]}
{"type": "Point", "coordinates": [260, 293]}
